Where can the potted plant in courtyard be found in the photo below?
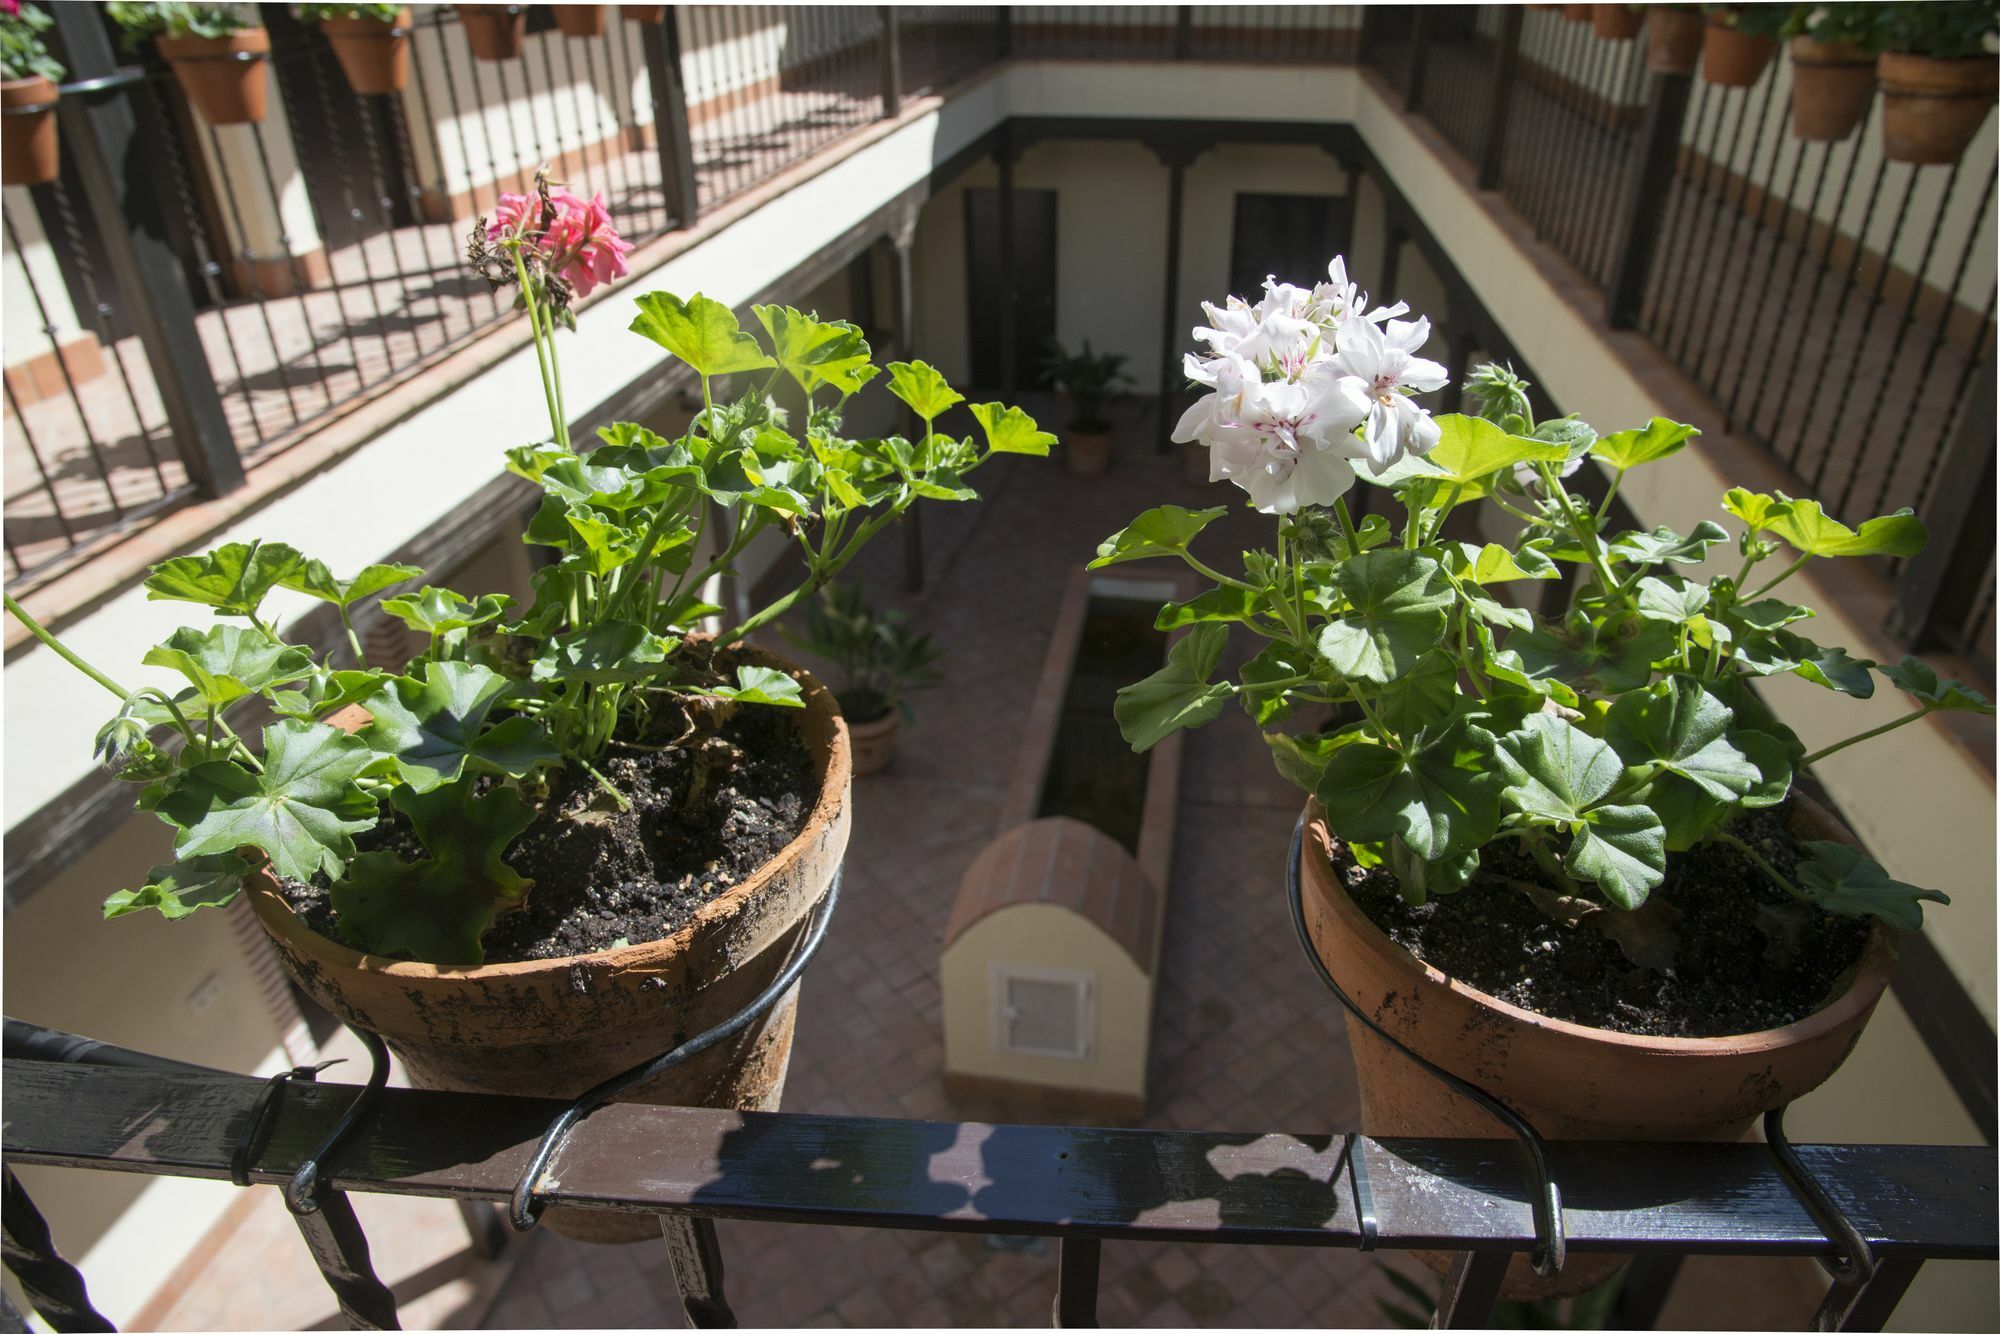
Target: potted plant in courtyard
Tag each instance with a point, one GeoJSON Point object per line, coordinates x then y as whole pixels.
{"type": "Point", "coordinates": [1673, 38]}
{"type": "Point", "coordinates": [372, 43]}
{"type": "Point", "coordinates": [1739, 41]}
{"type": "Point", "coordinates": [216, 52]}
{"type": "Point", "coordinates": [879, 659]}
{"type": "Point", "coordinates": [1617, 23]}
{"type": "Point", "coordinates": [1833, 68]}
{"type": "Point", "coordinates": [494, 32]}
{"type": "Point", "coordinates": [580, 20]}
{"type": "Point", "coordinates": [1938, 77]}
{"type": "Point", "coordinates": [28, 93]}
{"type": "Point", "coordinates": [1090, 380]}
{"type": "Point", "coordinates": [563, 837]}
{"type": "Point", "coordinates": [1562, 857]}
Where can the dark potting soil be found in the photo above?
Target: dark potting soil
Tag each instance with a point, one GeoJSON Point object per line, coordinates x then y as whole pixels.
{"type": "Point", "coordinates": [605, 877]}
{"type": "Point", "coordinates": [1745, 955]}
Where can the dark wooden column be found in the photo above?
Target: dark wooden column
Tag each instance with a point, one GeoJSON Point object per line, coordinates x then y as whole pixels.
{"type": "Point", "coordinates": [1010, 371]}
{"type": "Point", "coordinates": [1177, 155]}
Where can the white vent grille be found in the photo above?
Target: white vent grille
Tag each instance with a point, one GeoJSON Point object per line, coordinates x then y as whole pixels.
{"type": "Point", "coordinates": [1043, 1012]}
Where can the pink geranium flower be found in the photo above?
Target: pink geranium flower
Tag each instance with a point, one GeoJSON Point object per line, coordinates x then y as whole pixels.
{"type": "Point", "coordinates": [579, 244]}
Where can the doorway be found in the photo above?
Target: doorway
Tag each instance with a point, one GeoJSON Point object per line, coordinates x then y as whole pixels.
{"type": "Point", "coordinates": [1290, 236]}
{"type": "Point", "coordinates": [1034, 283]}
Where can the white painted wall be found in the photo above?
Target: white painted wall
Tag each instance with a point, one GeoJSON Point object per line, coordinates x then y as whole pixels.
{"type": "Point", "coordinates": [21, 335]}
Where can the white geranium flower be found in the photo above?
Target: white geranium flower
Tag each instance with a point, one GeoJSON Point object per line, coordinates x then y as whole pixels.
{"type": "Point", "coordinates": [1337, 300]}
{"type": "Point", "coordinates": [1385, 362]}
{"type": "Point", "coordinates": [1285, 443]}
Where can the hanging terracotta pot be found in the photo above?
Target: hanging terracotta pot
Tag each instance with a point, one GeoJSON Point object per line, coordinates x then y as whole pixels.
{"type": "Point", "coordinates": [1833, 84]}
{"type": "Point", "coordinates": [580, 20]}
{"type": "Point", "coordinates": [375, 56]}
{"type": "Point", "coordinates": [494, 32]}
{"type": "Point", "coordinates": [1616, 23]}
{"type": "Point", "coordinates": [1731, 58]}
{"type": "Point", "coordinates": [1571, 1081]}
{"type": "Point", "coordinates": [1931, 108]}
{"type": "Point", "coordinates": [1577, 13]}
{"type": "Point", "coordinates": [28, 139]}
{"type": "Point", "coordinates": [643, 13]}
{"type": "Point", "coordinates": [222, 76]}
{"type": "Point", "coordinates": [1673, 40]}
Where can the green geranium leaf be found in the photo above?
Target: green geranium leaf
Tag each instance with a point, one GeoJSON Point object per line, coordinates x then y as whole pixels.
{"type": "Point", "coordinates": [1226, 602]}
{"type": "Point", "coordinates": [327, 692]}
{"type": "Point", "coordinates": [1179, 694]}
{"type": "Point", "coordinates": [1495, 612]}
{"type": "Point", "coordinates": [1280, 661]}
{"type": "Point", "coordinates": [1556, 772]}
{"type": "Point", "coordinates": [434, 728]}
{"type": "Point", "coordinates": [1495, 564]}
{"type": "Point", "coordinates": [436, 909]}
{"type": "Point", "coordinates": [1656, 440]}
{"type": "Point", "coordinates": [1841, 880]}
{"type": "Point", "coordinates": [762, 685]}
{"type": "Point", "coordinates": [1396, 613]}
{"type": "Point", "coordinates": [179, 888]}
{"type": "Point", "coordinates": [1687, 812]}
{"type": "Point", "coordinates": [301, 811]}
{"type": "Point", "coordinates": [1678, 724]}
{"type": "Point", "coordinates": [315, 580]}
{"type": "Point", "coordinates": [1471, 449]}
{"type": "Point", "coordinates": [1441, 798]}
{"type": "Point", "coordinates": [608, 651]}
{"type": "Point", "coordinates": [1668, 597]}
{"type": "Point", "coordinates": [920, 385]}
{"type": "Point", "coordinates": [233, 579]}
{"type": "Point", "coordinates": [1665, 545]}
{"type": "Point", "coordinates": [1768, 614]}
{"type": "Point", "coordinates": [1915, 677]}
{"type": "Point", "coordinates": [1417, 879]}
{"type": "Point", "coordinates": [1011, 431]}
{"type": "Point", "coordinates": [1783, 651]}
{"type": "Point", "coordinates": [438, 611]}
{"type": "Point", "coordinates": [1164, 531]}
{"type": "Point", "coordinates": [1618, 655]}
{"type": "Point", "coordinates": [1753, 507]}
{"type": "Point", "coordinates": [815, 351]}
{"type": "Point", "coordinates": [228, 662]}
{"type": "Point", "coordinates": [1623, 849]}
{"type": "Point", "coordinates": [1301, 759]}
{"type": "Point", "coordinates": [1506, 667]}
{"type": "Point", "coordinates": [1419, 697]}
{"type": "Point", "coordinates": [703, 333]}
{"type": "Point", "coordinates": [1575, 435]}
{"type": "Point", "coordinates": [1808, 528]}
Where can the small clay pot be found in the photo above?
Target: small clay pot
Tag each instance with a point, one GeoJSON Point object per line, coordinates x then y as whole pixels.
{"type": "Point", "coordinates": [28, 153]}
{"type": "Point", "coordinates": [1731, 58]}
{"type": "Point", "coordinates": [1577, 13]}
{"type": "Point", "coordinates": [1833, 84]}
{"type": "Point", "coordinates": [874, 742]}
{"type": "Point", "coordinates": [1569, 1080]}
{"type": "Point", "coordinates": [1616, 23]}
{"type": "Point", "coordinates": [580, 20]}
{"type": "Point", "coordinates": [222, 76]}
{"type": "Point", "coordinates": [375, 56]}
{"type": "Point", "coordinates": [643, 13]}
{"type": "Point", "coordinates": [494, 32]}
{"type": "Point", "coordinates": [552, 1028]}
{"type": "Point", "coordinates": [1931, 108]}
{"type": "Point", "coordinates": [1088, 453]}
{"type": "Point", "coordinates": [1673, 40]}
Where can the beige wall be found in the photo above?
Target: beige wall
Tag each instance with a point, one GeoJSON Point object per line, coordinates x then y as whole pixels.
{"type": "Point", "coordinates": [21, 333]}
{"type": "Point", "coordinates": [1042, 935]}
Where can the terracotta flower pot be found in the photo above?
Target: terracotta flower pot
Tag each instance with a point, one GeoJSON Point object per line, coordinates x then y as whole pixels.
{"type": "Point", "coordinates": [553, 1028]}
{"type": "Point", "coordinates": [1577, 13]}
{"type": "Point", "coordinates": [643, 13]}
{"type": "Point", "coordinates": [375, 56]}
{"type": "Point", "coordinates": [1616, 23]}
{"type": "Point", "coordinates": [28, 141]}
{"type": "Point", "coordinates": [1734, 59]}
{"type": "Point", "coordinates": [580, 20]}
{"type": "Point", "coordinates": [1088, 453]}
{"type": "Point", "coordinates": [874, 742]}
{"type": "Point", "coordinates": [1833, 84]}
{"type": "Point", "coordinates": [1673, 40]}
{"type": "Point", "coordinates": [222, 76]}
{"type": "Point", "coordinates": [494, 32]}
{"type": "Point", "coordinates": [1931, 108]}
{"type": "Point", "coordinates": [1569, 1080]}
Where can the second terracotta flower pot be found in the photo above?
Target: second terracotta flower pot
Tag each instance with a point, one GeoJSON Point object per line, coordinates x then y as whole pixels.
{"type": "Point", "coordinates": [1616, 23]}
{"type": "Point", "coordinates": [222, 76]}
{"type": "Point", "coordinates": [1577, 13]}
{"type": "Point", "coordinates": [1673, 40]}
{"type": "Point", "coordinates": [874, 742]}
{"type": "Point", "coordinates": [1731, 58]}
{"type": "Point", "coordinates": [494, 32]}
{"type": "Point", "coordinates": [375, 56]}
{"type": "Point", "coordinates": [1833, 85]}
{"type": "Point", "coordinates": [580, 20]}
{"type": "Point", "coordinates": [1931, 108]}
{"type": "Point", "coordinates": [552, 1028]}
{"type": "Point", "coordinates": [28, 148]}
{"type": "Point", "coordinates": [1088, 453]}
{"type": "Point", "coordinates": [1569, 1080]}
{"type": "Point", "coordinates": [643, 13]}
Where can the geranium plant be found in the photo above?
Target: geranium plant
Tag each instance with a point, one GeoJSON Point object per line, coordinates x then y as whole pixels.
{"type": "Point", "coordinates": [22, 53]}
{"type": "Point", "coordinates": [465, 744]}
{"type": "Point", "coordinates": [1598, 742]}
{"type": "Point", "coordinates": [141, 19]}
{"type": "Point", "coordinates": [321, 13]}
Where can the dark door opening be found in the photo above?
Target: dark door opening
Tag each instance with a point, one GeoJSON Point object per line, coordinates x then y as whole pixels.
{"type": "Point", "coordinates": [1289, 236]}
{"type": "Point", "coordinates": [1034, 282]}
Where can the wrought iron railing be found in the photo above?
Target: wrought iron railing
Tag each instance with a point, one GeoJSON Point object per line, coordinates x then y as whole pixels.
{"type": "Point", "coordinates": [692, 1167]}
{"type": "Point", "coordinates": [1837, 307]}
